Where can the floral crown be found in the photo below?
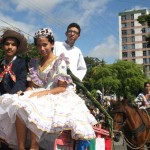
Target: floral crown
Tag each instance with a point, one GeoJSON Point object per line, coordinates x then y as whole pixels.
{"type": "Point", "coordinates": [44, 32]}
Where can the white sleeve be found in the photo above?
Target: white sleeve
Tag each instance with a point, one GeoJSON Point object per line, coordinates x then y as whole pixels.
{"type": "Point", "coordinates": [81, 68]}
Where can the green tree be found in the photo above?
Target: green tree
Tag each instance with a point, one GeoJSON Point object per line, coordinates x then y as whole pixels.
{"type": "Point", "coordinates": [31, 53]}
{"type": "Point", "coordinates": [93, 61]}
{"type": "Point", "coordinates": [131, 78]}
{"type": "Point", "coordinates": [145, 19]}
{"type": "Point", "coordinates": [105, 79]}
{"type": "Point", "coordinates": [88, 81]}
{"type": "Point", "coordinates": [123, 78]}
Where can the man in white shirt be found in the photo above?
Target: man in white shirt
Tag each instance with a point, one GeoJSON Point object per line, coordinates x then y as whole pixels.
{"type": "Point", "coordinates": [77, 64]}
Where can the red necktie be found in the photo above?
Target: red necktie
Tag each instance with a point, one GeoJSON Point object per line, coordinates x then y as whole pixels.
{"type": "Point", "coordinates": [7, 69]}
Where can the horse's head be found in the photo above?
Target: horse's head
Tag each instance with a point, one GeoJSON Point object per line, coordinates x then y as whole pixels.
{"type": "Point", "coordinates": [131, 121]}
{"type": "Point", "coordinates": [119, 119]}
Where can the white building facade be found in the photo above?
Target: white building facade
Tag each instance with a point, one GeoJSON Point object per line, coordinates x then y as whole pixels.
{"type": "Point", "coordinates": [132, 44]}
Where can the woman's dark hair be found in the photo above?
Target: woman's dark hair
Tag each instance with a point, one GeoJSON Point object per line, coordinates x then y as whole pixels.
{"type": "Point", "coordinates": [146, 83]}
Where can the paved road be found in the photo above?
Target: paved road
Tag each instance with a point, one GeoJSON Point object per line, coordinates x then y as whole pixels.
{"type": "Point", "coordinates": [121, 145]}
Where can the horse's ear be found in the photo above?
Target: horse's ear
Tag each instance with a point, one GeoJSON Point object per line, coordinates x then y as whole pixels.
{"type": "Point", "coordinates": [113, 101]}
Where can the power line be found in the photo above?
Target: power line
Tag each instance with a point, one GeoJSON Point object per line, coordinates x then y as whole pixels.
{"type": "Point", "coordinates": [15, 27]}
{"type": "Point", "coordinates": [36, 8]}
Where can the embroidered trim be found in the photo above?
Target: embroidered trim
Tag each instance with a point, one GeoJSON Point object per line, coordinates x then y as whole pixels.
{"type": "Point", "coordinates": [34, 75]}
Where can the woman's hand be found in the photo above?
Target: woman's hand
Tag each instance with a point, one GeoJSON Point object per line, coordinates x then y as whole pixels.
{"type": "Point", "coordinates": [20, 93]}
{"type": "Point", "coordinates": [39, 94]}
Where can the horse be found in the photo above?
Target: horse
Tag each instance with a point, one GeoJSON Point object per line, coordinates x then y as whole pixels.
{"type": "Point", "coordinates": [133, 123]}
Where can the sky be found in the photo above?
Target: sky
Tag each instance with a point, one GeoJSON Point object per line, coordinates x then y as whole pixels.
{"type": "Point", "coordinates": [98, 20]}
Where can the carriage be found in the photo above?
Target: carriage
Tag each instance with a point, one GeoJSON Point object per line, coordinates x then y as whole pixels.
{"type": "Point", "coordinates": [103, 140]}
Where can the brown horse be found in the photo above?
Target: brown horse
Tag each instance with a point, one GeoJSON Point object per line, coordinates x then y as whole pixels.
{"type": "Point", "coordinates": [134, 124]}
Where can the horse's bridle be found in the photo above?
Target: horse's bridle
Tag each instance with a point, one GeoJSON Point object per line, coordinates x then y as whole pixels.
{"type": "Point", "coordinates": [124, 117]}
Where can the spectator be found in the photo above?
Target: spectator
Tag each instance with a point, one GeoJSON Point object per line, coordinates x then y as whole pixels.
{"type": "Point", "coordinates": [99, 96]}
{"type": "Point", "coordinates": [143, 99]}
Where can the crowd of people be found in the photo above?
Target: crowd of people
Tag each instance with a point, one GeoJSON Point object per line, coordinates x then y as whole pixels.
{"type": "Point", "coordinates": [38, 100]}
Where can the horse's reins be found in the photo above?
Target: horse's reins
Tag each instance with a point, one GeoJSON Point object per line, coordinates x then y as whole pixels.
{"type": "Point", "coordinates": [141, 128]}
{"type": "Point", "coordinates": [124, 120]}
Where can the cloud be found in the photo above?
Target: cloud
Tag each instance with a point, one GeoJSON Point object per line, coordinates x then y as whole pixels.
{"type": "Point", "coordinates": [26, 28]}
{"type": "Point", "coordinates": [55, 12]}
{"type": "Point", "coordinates": [35, 4]}
{"type": "Point", "coordinates": [109, 50]}
{"type": "Point", "coordinates": [87, 9]}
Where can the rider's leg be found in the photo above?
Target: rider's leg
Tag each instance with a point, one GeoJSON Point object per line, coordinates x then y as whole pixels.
{"type": "Point", "coordinates": [21, 133]}
{"type": "Point", "coordinates": [34, 143]}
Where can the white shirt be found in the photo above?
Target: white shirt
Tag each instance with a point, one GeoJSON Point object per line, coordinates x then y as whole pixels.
{"type": "Point", "coordinates": [77, 63]}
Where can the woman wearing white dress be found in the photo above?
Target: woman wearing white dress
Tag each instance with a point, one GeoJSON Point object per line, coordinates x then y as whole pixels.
{"type": "Point", "coordinates": [48, 106]}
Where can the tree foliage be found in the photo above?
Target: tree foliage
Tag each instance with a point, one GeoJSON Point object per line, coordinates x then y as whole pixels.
{"type": "Point", "coordinates": [145, 19]}
{"type": "Point", "coordinates": [131, 78]}
{"type": "Point", "coordinates": [123, 78]}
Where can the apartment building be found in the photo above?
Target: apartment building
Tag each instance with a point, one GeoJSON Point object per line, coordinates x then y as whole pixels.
{"type": "Point", "coordinates": [133, 46]}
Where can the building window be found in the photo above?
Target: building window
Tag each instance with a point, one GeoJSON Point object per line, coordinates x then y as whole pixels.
{"type": "Point", "coordinates": [132, 31]}
{"type": "Point", "coordinates": [132, 39]}
{"type": "Point", "coordinates": [124, 54]}
{"type": "Point", "coordinates": [143, 30]}
{"type": "Point", "coordinates": [149, 53]}
{"type": "Point", "coordinates": [132, 16]}
{"type": "Point", "coordinates": [144, 53]}
{"type": "Point", "coordinates": [132, 24]}
{"type": "Point", "coordinates": [123, 17]}
{"type": "Point", "coordinates": [143, 37]}
{"type": "Point", "coordinates": [144, 60]}
{"type": "Point", "coordinates": [124, 40]}
{"type": "Point", "coordinates": [133, 46]}
{"type": "Point", "coordinates": [144, 45]}
{"type": "Point", "coordinates": [143, 13]}
{"type": "Point", "coordinates": [133, 54]}
{"type": "Point", "coordinates": [124, 32]}
{"type": "Point", "coordinates": [124, 25]}
{"type": "Point", "coordinates": [124, 47]}
{"type": "Point", "coordinates": [148, 29]}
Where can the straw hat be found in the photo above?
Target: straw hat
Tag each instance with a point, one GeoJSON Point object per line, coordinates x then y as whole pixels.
{"type": "Point", "coordinates": [23, 46]}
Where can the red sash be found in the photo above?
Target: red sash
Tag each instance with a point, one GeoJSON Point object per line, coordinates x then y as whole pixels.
{"type": "Point", "coordinates": [7, 69]}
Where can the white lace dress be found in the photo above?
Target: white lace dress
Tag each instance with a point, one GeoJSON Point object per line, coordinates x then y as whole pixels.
{"type": "Point", "coordinates": [50, 113]}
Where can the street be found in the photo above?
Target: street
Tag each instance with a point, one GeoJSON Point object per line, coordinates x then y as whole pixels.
{"type": "Point", "coordinates": [121, 145]}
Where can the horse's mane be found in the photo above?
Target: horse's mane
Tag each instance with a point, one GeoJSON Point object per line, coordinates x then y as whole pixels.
{"type": "Point", "coordinates": [117, 104]}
